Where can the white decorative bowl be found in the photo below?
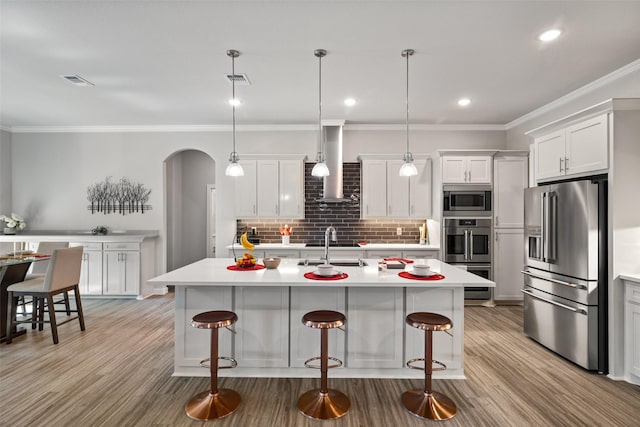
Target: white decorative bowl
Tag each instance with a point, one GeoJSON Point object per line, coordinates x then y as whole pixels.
{"type": "Point", "coordinates": [325, 270]}
{"type": "Point", "coordinates": [421, 270]}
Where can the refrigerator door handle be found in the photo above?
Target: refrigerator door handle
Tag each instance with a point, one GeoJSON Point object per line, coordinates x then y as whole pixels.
{"type": "Point", "coordinates": [557, 304]}
{"type": "Point", "coordinates": [544, 224]}
{"type": "Point", "coordinates": [552, 234]}
{"type": "Point", "coordinates": [466, 246]}
{"type": "Point", "coordinates": [559, 282]}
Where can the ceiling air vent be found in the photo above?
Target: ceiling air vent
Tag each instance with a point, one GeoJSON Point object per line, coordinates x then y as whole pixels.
{"type": "Point", "coordinates": [77, 80]}
{"type": "Point", "coordinates": [240, 79]}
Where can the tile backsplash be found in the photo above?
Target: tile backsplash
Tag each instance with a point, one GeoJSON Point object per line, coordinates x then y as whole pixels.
{"type": "Point", "coordinates": [345, 217]}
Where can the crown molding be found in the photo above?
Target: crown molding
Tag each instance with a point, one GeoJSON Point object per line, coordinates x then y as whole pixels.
{"type": "Point", "coordinates": [571, 96]}
{"type": "Point", "coordinates": [159, 128]}
{"type": "Point", "coordinates": [247, 128]}
{"type": "Point", "coordinates": [423, 127]}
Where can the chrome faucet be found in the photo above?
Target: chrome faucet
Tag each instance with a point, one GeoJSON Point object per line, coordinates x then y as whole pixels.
{"type": "Point", "coordinates": [334, 237]}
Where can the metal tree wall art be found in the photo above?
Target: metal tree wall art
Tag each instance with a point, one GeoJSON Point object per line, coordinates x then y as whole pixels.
{"type": "Point", "coordinates": [122, 197]}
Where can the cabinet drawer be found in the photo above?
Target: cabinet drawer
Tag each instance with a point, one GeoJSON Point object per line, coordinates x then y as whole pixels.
{"type": "Point", "coordinates": [633, 293]}
{"type": "Point", "coordinates": [124, 246]}
{"type": "Point", "coordinates": [88, 246]}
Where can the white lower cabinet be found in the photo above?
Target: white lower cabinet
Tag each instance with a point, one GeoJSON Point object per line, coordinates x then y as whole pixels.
{"type": "Point", "coordinates": [632, 332]}
{"type": "Point", "coordinates": [436, 300]}
{"type": "Point", "coordinates": [305, 341]}
{"type": "Point", "coordinates": [121, 269]}
{"type": "Point", "coordinates": [435, 254]}
{"type": "Point", "coordinates": [508, 262]}
{"type": "Point", "coordinates": [374, 327]}
{"type": "Point", "coordinates": [262, 338]}
{"type": "Point", "coordinates": [91, 270]}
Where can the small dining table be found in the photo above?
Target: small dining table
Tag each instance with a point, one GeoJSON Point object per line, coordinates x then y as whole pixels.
{"type": "Point", "coordinates": [13, 269]}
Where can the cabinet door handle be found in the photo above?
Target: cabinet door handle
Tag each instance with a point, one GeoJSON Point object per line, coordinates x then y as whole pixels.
{"type": "Point", "coordinates": [496, 220]}
{"type": "Point", "coordinates": [389, 209]}
{"type": "Point", "coordinates": [561, 160]}
{"type": "Point", "coordinates": [566, 164]}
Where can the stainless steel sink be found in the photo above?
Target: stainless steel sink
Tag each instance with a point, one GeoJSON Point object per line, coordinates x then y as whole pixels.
{"type": "Point", "coordinates": [337, 263]}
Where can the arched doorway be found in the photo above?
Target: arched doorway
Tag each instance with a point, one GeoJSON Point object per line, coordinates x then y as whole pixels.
{"type": "Point", "coordinates": [189, 176]}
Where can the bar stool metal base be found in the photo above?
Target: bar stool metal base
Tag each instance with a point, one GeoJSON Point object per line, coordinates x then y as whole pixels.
{"type": "Point", "coordinates": [208, 406]}
{"type": "Point", "coordinates": [433, 406]}
{"type": "Point", "coordinates": [324, 406]}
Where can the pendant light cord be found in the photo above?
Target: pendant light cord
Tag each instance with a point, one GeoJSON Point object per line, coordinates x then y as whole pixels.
{"type": "Point", "coordinates": [233, 102]}
{"type": "Point", "coordinates": [407, 120]}
{"type": "Point", "coordinates": [320, 139]}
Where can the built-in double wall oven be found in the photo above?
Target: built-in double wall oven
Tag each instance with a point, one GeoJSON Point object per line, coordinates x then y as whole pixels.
{"type": "Point", "coordinates": [467, 243]}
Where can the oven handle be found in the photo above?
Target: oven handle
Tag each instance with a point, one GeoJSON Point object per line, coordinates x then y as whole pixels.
{"type": "Point", "coordinates": [566, 307]}
{"type": "Point", "coordinates": [559, 282]}
{"type": "Point", "coordinates": [470, 244]}
{"type": "Point", "coordinates": [466, 232]}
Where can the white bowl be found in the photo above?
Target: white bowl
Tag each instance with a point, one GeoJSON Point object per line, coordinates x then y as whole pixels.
{"type": "Point", "coordinates": [325, 270]}
{"type": "Point", "coordinates": [422, 270]}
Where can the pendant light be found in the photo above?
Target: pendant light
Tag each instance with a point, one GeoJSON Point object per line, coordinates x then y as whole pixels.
{"type": "Point", "coordinates": [320, 169]}
{"type": "Point", "coordinates": [234, 168]}
{"type": "Point", "coordinates": [408, 168]}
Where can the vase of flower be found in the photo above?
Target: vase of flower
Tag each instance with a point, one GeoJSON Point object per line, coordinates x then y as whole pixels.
{"type": "Point", "coordinates": [13, 223]}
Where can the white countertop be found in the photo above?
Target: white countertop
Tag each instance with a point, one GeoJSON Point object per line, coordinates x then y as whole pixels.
{"type": "Point", "coordinates": [369, 246]}
{"type": "Point", "coordinates": [631, 277]}
{"type": "Point", "coordinates": [214, 272]}
{"type": "Point", "coordinates": [79, 236]}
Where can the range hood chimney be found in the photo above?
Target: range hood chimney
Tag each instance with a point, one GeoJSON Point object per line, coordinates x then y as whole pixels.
{"type": "Point", "coordinates": [332, 184]}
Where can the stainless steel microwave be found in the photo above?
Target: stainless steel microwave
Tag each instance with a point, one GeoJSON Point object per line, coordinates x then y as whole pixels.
{"type": "Point", "coordinates": [466, 200]}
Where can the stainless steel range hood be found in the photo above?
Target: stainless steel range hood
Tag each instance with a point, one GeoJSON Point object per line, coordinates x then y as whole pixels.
{"type": "Point", "coordinates": [332, 184]}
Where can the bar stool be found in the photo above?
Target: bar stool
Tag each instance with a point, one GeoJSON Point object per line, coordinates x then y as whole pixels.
{"type": "Point", "coordinates": [426, 403]}
{"type": "Point", "coordinates": [323, 403]}
{"type": "Point", "coordinates": [214, 403]}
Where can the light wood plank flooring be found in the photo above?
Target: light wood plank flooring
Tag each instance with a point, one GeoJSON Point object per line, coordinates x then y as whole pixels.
{"type": "Point", "coordinates": [118, 373]}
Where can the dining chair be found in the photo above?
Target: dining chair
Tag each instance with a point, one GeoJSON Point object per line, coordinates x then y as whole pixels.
{"type": "Point", "coordinates": [39, 269]}
{"type": "Point", "coordinates": [62, 276]}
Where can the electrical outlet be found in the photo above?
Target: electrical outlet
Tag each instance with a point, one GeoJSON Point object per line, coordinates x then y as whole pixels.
{"type": "Point", "coordinates": [399, 231]}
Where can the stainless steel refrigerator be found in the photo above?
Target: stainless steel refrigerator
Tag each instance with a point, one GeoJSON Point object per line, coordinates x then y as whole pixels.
{"type": "Point", "coordinates": [565, 277]}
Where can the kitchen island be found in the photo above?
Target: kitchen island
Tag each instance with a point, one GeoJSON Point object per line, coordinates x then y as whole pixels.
{"type": "Point", "coordinates": [271, 341]}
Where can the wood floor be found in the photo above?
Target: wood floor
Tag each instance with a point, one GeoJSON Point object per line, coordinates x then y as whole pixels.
{"type": "Point", "coordinates": [118, 373]}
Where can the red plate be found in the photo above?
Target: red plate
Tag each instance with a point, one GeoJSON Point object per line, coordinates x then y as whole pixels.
{"type": "Point", "coordinates": [236, 268]}
{"type": "Point", "coordinates": [313, 276]}
{"type": "Point", "coordinates": [407, 275]}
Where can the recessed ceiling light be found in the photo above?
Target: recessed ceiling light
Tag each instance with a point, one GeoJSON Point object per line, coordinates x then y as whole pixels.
{"type": "Point", "coordinates": [549, 35]}
{"type": "Point", "coordinates": [77, 80]}
{"type": "Point", "coordinates": [463, 102]}
{"type": "Point", "coordinates": [350, 102]}
{"type": "Point", "coordinates": [234, 102]}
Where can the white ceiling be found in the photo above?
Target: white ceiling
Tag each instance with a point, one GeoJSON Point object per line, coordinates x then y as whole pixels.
{"type": "Point", "coordinates": [164, 62]}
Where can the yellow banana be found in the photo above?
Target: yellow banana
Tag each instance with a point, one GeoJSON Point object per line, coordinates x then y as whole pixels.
{"type": "Point", "coordinates": [246, 243]}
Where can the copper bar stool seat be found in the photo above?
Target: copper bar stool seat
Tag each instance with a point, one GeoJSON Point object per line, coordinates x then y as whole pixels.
{"type": "Point", "coordinates": [214, 403]}
{"type": "Point", "coordinates": [426, 403]}
{"type": "Point", "coordinates": [323, 403]}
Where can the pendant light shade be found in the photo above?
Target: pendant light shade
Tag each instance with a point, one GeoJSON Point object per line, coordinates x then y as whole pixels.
{"type": "Point", "coordinates": [320, 169]}
{"type": "Point", "coordinates": [408, 168]}
{"type": "Point", "coordinates": [234, 168]}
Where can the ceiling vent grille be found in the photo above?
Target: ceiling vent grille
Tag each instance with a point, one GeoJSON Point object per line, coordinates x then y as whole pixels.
{"type": "Point", "coordinates": [77, 80]}
{"type": "Point", "coordinates": [240, 79]}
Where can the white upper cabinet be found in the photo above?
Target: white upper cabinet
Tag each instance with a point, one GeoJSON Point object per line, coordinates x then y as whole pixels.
{"type": "Point", "coordinates": [270, 188]}
{"type": "Point", "coordinates": [291, 178]}
{"type": "Point", "coordinates": [386, 194]}
{"type": "Point", "coordinates": [246, 190]}
{"type": "Point", "coordinates": [510, 178]}
{"type": "Point", "coordinates": [466, 169]}
{"type": "Point", "coordinates": [374, 189]}
{"type": "Point", "coordinates": [579, 149]}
